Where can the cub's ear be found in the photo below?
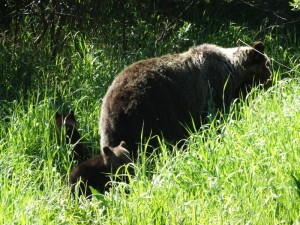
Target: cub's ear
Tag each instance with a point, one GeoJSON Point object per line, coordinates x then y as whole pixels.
{"type": "Point", "coordinates": [72, 113]}
{"type": "Point", "coordinates": [57, 115]}
{"type": "Point", "coordinates": [259, 46]}
{"type": "Point", "coordinates": [257, 53]}
{"type": "Point", "coordinates": [72, 116]}
{"type": "Point", "coordinates": [107, 151]}
{"type": "Point", "coordinates": [123, 144]}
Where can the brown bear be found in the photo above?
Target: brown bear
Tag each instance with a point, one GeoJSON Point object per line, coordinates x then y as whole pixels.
{"type": "Point", "coordinates": [97, 171]}
{"type": "Point", "coordinates": [68, 121]}
{"type": "Point", "coordinates": [163, 96]}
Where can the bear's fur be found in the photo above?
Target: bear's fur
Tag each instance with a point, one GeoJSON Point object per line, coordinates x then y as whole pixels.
{"type": "Point", "coordinates": [162, 96]}
{"type": "Point", "coordinates": [68, 121]}
{"type": "Point", "coordinates": [96, 171]}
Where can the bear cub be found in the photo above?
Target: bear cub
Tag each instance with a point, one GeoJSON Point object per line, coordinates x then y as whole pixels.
{"type": "Point", "coordinates": [68, 122]}
{"type": "Point", "coordinates": [97, 171]}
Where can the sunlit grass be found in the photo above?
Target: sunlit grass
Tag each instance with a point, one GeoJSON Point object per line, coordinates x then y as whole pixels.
{"type": "Point", "coordinates": [239, 171]}
{"type": "Point", "coordinates": [242, 169]}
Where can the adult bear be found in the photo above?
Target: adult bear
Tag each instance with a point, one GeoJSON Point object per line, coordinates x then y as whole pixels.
{"type": "Point", "coordinates": [162, 96]}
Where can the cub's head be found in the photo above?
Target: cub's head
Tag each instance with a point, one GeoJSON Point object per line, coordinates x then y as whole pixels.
{"type": "Point", "coordinates": [253, 67]}
{"type": "Point", "coordinates": [66, 126]}
{"type": "Point", "coordinates": [116, 157]}
{"type": "Point", "coordinates": [68, 121]}
{"type": "Point", "coordinates": [97, 171]}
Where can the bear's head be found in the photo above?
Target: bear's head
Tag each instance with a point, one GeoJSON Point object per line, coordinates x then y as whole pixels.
{"type": "Point", "coordinates": [253, 67]}
{"type": "Point", "coordinates": [67, 122]}
{"type": "Point", "coordinates": [116, 157]}
{"type": "Point", "coordinates": [96, 172]}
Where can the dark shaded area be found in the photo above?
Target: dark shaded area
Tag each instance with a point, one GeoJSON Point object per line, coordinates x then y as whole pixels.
{"type": "Point", "coordinates": [53, 16]}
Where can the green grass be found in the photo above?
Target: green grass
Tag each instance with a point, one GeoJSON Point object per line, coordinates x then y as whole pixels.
{"type": "Point", "coordinates": [238, 172]}
{"type": "Point", "coordinates": [243, 170]}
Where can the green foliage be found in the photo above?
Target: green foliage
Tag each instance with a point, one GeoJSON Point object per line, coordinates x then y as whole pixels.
{"type": "Point", "coordinates": [242, 169]}
{"type": "Point", "coordinates": [295, 4]}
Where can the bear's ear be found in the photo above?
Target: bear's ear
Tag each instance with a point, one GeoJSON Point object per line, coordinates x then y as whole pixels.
{"type": "Point", "coordinates": [57, 115]}
{"type": "Point", "coordinates": [107, 151]}
{"type": "Point", "coordinates": [257, 53]}
{"type": "Point", "coordinates": [71, 116]}
{"type": "Point", "coordinates": [259, 46]}
{"type": "Point", "coordinates": [123, 144]}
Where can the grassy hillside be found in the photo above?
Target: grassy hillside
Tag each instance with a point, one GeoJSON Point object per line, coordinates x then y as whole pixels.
{"type": "Point", "coordinates": [241, 170]}
{"type": "Point", "coordinates": [244, 170]}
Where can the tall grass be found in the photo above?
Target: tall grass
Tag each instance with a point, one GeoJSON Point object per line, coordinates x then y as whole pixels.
{"type": "Point", "coordinates": [240, 171]}
{"type": "Point", "coordinates": [243, 170]}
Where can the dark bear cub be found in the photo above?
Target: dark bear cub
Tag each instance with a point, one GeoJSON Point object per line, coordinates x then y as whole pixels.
{"type": "Point", "coordinates": [67, 121]}
{"type": "Point", "coordinates": [97, 171]}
